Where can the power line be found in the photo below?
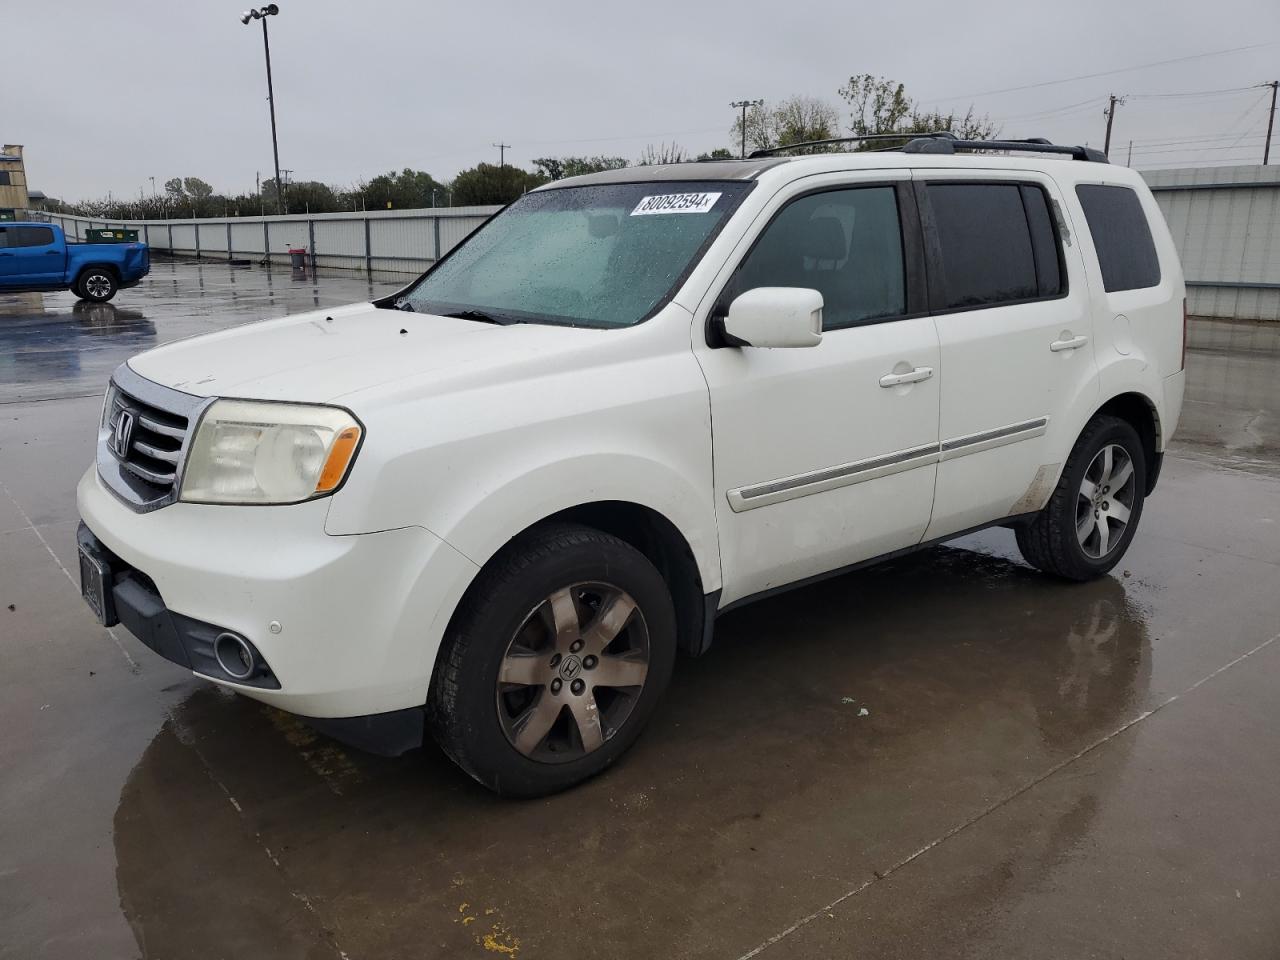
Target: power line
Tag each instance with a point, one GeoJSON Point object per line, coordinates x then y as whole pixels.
{"type": "Point", "coordinates": [1105, 73]}
{"type": "Point", "coordinates": [1188, 94]}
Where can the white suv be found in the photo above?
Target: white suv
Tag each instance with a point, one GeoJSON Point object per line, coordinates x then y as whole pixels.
{"type": "Point", "coordinates": [496, 504]}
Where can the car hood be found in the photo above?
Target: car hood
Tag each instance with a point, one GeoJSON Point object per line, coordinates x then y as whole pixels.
{"type": "Point", "coordinates": [328, 355]}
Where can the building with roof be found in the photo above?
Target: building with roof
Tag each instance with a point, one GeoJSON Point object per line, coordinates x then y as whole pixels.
{"type": "Point", "coordinates": [14, 200]}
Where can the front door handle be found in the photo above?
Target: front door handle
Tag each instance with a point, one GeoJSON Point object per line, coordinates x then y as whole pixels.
{"type": "Point", "coordinates": [1074, 343]}
{"type": "Point", "coordinates": [911, 376]}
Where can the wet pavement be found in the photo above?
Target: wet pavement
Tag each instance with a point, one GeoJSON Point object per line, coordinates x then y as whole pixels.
{"type": "Point", "coordinates": [945, 756]}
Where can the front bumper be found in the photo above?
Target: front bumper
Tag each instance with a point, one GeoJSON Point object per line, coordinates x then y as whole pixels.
{"type": "Point", "coordinates": [348, 626]}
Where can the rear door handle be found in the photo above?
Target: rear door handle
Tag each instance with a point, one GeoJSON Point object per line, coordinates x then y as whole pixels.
{"type": "Point", "coordinates": [1074, 343]}
{"type": "Point", "coordinates": [911, 376]}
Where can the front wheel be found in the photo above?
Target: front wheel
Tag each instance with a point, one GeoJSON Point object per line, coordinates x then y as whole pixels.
{"type": "Point", "coordinates": [1090, 520]}
{"type": "Point", "coordinates": [555, 661]}
{"type": "Point", "coordinates": [96, 285]}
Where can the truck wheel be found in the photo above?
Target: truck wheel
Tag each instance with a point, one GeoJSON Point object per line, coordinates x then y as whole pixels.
{"type": "Point", "coordinates": [554, 662]}
{"type": "Point", "coordinates": [1090, 520]}
{"type": "Point", "coordinates": [96, 285]}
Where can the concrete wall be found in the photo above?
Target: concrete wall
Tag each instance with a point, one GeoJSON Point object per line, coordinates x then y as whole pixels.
{"type": "Point", "coordinates": [1226, 224]}
{"type": "Point", "coordinates": [377, 241]}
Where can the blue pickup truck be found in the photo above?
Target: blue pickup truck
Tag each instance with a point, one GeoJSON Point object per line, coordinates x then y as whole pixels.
{"type": "Point", "coordinates": [36, 256]}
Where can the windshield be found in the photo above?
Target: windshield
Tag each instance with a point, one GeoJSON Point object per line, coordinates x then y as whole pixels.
{"type": "Point", "coordinates": [601, 256]}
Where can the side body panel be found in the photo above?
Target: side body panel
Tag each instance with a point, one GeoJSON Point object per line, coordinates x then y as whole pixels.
{"type": "Point", "coordinates": [1011, 395]}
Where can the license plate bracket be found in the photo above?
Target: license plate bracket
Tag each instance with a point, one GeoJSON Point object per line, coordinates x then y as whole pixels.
{"type": "Point", "coordinates": [96, 584]}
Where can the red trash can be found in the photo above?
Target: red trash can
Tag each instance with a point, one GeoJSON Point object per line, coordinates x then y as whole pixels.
{"type": "Point", "coordinates": [298, 260]}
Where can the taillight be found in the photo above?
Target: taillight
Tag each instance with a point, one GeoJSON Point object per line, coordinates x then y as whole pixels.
{"type": "Point", "coordinates": [1184, 334]}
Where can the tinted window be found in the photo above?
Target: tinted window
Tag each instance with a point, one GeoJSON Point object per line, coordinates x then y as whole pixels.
{"type": "Point", "coordinates": [846, 244]}
{"type": "Point", "coordinates": [4, 237]}
{"type": "Point", "coordinates": [30, 236]}
{"type": "Point", "coordinates": [1126, 252]}
{"type": "Point", "coordinates": [1044, 242]}
{"type": "Point", "coordinates": [985, 242]}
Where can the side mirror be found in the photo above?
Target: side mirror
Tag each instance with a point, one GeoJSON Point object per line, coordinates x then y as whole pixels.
{"type": "Point", "coordinates": [774, 317]}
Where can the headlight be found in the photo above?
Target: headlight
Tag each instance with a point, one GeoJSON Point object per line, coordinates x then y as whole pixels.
{"type": "Point", "coordinates": [250, 452]}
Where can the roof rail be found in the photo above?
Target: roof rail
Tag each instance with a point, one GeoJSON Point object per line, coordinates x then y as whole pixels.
{"type": "Point", "coordinates": [770, 151]}
{"type": "Point", "coordinates": [946, 142]}
{"type": "Point", "coordinates": [930, 143]}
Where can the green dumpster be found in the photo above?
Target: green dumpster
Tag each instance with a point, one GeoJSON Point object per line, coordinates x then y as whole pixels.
{"type": "Point", "coordinates": [98, 235]}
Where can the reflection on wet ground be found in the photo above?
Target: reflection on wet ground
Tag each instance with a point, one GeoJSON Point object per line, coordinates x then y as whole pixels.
{"type": "Point", "coordinates": [948, 755]}
{"type": "Point", "coordinates": [52, 345]}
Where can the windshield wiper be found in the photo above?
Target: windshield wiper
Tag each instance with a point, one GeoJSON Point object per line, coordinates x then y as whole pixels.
{"type": "Point", "coordinates": [480, 316]}
{"type": "Point", "coordinates": [405, 305]}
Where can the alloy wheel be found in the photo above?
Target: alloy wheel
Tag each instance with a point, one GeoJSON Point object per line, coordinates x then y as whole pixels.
{"type": "Point", "coordinates": [1105, 501]}
{"type": "Point", "coordinates": [573, 672]}
{"type": "Point", "coordinates": [97, 285]}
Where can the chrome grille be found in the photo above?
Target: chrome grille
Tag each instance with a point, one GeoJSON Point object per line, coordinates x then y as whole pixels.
{"type": "Point", "coordinates": [143, 439]}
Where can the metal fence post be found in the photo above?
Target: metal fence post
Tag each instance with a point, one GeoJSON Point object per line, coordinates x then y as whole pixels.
{"type": "Point", "coordinates": [146, 234]}
{"type": "Point", "coordinates": [229, 256]}
{"type": "Point", "coordinates": [311, 240]}
{"type": "Point", "coordinates": [266, 241]}
{"type": "Point", "coordinates": [368, 249]}
{"type": "Point", "coordinates": [170, 226]}
{"type": "Point", "coordinates": [435, 229]}
{"type": "Point", "coordinates": [196, 224]}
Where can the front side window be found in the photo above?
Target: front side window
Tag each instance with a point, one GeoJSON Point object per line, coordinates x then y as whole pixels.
{"type": "Point", "coordinates": [1126, 252]}
{"type": "Point", "coordinates": [30, 236]}
{"type": "Point", "coordinates": [846, 244]}
{"type": "Point", "coordinates": [599, 256]}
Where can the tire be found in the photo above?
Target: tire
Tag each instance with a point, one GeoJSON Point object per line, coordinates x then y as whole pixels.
{"type": "Point", "coordinates": [516, 700]}
{"type": "Point", "coordinates": [96, 285]}
{"type": "Point", "coordinates": [1066, 537]}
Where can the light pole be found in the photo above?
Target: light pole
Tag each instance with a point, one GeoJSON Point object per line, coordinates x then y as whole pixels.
{"type": "Point", "coordinates": [261, 13]}
{"type": "Point", "coordinates": [745, 105]}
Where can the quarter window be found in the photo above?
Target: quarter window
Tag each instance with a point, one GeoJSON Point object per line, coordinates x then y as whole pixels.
{"type": "Point", "coordinates": [1122, 237]}
{"type": "Point", "coordinates": [846, 244]}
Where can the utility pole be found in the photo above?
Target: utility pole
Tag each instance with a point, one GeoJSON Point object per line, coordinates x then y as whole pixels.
{"type": "Point", "coordinates": [502, 153]}
{"type": "Point", "coordinates": [745, 105]}
{"type": "Point", "coordinates": [1129, 162]}
{"type": "Point", "coordinates": [1271, 121]}
{"type": "Point", "coordinates": [153, 187]}
{"type": "Point", "coordinates": [1112, 102]}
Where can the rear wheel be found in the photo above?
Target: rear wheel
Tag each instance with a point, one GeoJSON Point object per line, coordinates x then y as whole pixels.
{"type": "Point", "coordinates": [97, 285]}
{"type": "Point", "coordinates": [1090, 520]}
{"type": "Point", "coordinates": [555, 661]}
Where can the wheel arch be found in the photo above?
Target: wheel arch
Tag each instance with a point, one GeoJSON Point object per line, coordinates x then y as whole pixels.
{"type": "Point", "coordinates": [656, 537]}
{"type": "Point", "coordinates": [111, 268]}
{"type": "Point", "coordinates": [1140, 411]}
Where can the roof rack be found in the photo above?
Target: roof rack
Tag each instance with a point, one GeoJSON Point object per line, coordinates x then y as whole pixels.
{"type": "Point", "coordinates": [771, 151]}
{"type": "Point", "coordinates": [932, 143]}
{"type": "Point", "coordinates": [946, 142]}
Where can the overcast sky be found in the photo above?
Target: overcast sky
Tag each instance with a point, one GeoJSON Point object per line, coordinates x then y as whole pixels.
{"type": "Point", "coordinates": [115, 92]}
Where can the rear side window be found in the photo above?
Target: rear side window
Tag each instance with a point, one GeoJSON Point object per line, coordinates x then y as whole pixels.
{"type": "Point", "coordinates": [846, 244]}
{"type": "Point", "coordinates": [1122, 237]}
{"type": "Point", "coordinates": [997, 242]}
{"type": "Point", "coordinates": [4, 237]}
{"type": "Point", "coordinates": [30, 236]}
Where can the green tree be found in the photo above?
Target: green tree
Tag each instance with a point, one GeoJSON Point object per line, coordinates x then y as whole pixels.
{"type": "Point", "coordinates": [196, 188]}
{"type": "Point", "coordinates": [794, 120]}
{"type": "Point", "coordinates": [880, 106]}
{"type": "Point", "coordinates": [557, 168]}
{"type": "Point", "coordinates": [310, 196]}
{"type": "Point", "coordinates": [407, 190]}
{"type": "Point", "coordinates": [662, 153]}
{"type": "Point", "coordinates": [487, 183]}
{"type": "Point", "coordinates": [719, 153]}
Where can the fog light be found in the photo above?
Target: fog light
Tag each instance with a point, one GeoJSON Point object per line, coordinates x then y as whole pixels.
{"type": "Point", "coordinates": [234, 656]}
